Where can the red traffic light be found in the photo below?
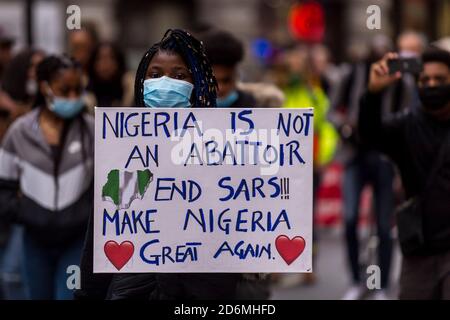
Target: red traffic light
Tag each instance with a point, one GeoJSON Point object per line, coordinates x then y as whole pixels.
{"type": "Point", "coordinates": [307, 21]}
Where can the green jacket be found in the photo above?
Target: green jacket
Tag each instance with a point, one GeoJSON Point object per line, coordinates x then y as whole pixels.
{"type": "Point", "coordinates": [325, 136]}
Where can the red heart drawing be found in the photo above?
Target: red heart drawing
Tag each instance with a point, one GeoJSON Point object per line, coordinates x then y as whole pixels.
{"type": "Point", "coordinates": [290, 249]}
{"type": "Point", "coordinates": [119, 254]}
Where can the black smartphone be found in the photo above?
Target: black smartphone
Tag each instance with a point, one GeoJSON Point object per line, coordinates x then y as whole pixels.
{"type": "Point", "coordinates": [410, 65]}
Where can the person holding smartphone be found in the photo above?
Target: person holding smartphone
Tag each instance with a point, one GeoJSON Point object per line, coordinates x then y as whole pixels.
{"type": "Point", "coordinates": [418, 141]}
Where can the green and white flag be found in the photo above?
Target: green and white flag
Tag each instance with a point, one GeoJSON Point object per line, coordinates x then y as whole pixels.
{"type": "Point", "coordinates": [122, 187]}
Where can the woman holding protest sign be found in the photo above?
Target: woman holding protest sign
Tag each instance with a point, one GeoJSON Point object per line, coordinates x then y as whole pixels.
{"type": "Point", "coordinates": [173, 73]}
{"type": "Point", "coordinates": [46, 178]}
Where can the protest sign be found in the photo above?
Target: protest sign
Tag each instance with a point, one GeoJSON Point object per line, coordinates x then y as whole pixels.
{"type": "Point", "coordinates": [203, 190]}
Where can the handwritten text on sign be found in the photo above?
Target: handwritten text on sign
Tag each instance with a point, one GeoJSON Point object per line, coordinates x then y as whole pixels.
{"type": "Point", "coordinates": [203, 190]}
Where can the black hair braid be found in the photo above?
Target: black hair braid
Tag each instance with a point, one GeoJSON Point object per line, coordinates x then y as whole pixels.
{"type": "Point", "coordinates": [193, 53]}
{"type": "Point", "coordinates": [140, 75]}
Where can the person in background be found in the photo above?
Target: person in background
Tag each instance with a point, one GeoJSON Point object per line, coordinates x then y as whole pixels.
{"type": "Point", "coordinates": [46, 178]}
{"type": "Point", "coordinates": [19, 86]}
{"type": "Point", "coordinates": [411, 43]}
{"type": "Point", "coordinates": [303, 87]}
{"type": "Point", "coordinates": [19, 89]}
{"type": "Point", "coordinates": [173, 73]}
{"type": "Point", "coordinates": [109, 82]}
{"type": "Point", "coordinates": [364, 166]}
{"type": "Point", "coordinates": [81, 45]}
{"type": "Point", "coordinates": [328, 74]}
{"type": "Point", "coordinates": [418, 141]}
{"type": "Point", "coordinates": [225, 52]}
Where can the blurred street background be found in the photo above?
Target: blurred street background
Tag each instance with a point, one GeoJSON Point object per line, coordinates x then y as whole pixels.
{"type": "Point", "coordinates": [265, 26]}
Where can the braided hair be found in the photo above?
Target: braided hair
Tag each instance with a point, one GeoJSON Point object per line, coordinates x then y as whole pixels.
{"type": "Point", "coordinates": [192, 52]}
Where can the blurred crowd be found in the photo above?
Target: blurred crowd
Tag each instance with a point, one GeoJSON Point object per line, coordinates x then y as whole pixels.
{"type": "Point", "coordinates": [47, 150]}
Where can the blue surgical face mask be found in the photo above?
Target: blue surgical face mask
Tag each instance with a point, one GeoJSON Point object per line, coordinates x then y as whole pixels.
{"type": "Point", "coordinates": [63, 107]}
{"type": "Point", "coordinates": [166, 92]}
{"type": "Point", "coordinates": [228, 100]}
{"type": "Point", "coordinates": [66, 108]}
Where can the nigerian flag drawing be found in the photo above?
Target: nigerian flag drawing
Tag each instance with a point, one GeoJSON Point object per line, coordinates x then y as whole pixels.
{"type": "Point", "coordinates": [122, 187]}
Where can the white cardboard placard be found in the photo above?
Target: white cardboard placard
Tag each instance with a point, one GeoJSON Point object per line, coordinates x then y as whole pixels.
{"type": "Point", "coordinates": [203, 190]}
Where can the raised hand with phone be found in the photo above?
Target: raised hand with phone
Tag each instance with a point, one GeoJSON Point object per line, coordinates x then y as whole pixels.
{"type": "Point", "coordinates": [380, 77]}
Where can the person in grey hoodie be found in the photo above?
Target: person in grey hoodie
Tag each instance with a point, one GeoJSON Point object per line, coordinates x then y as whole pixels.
{"type": "Point", "coordinates": [46, 178]}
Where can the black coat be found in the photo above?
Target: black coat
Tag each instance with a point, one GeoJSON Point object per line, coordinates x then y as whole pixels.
{"type": "Point", "coordinates": [412, 139]}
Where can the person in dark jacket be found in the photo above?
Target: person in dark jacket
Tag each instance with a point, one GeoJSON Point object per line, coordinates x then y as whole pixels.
{"type": "Point", "coordinates": [46, 178]}
{"type": "Point", "coordinates": [413, 139]}
{"type": "Point", "coordinates": [110, 84]}
{"type": "Point", "coordinates": [179, 62]}
{"type": "Point", "coordinates": [225, 52]}
{"type": "Point", "coordinates": [364, 166]}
